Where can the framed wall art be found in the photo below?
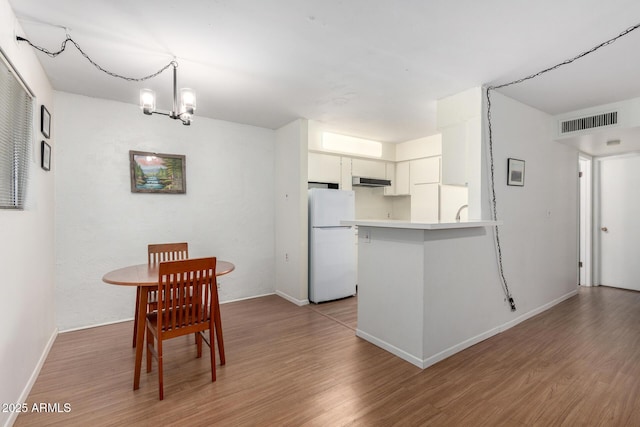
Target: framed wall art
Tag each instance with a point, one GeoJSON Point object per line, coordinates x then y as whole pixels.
{"type": "Point", "coordinates": [45, 156]}
{"type": "Point", "coordinates": [515, 172]}
{"type": "Point", "coordinates": [45, 122]}
{"type": "Point", "coordinates": [157, 173]}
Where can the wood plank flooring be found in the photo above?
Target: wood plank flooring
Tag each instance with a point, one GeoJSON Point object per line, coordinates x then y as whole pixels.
{"type": "Point", "coordinates": [576, 364]}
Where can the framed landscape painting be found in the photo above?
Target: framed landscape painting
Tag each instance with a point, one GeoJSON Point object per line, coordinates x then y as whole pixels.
{"type": "Point", "coordinates": [157, 173]}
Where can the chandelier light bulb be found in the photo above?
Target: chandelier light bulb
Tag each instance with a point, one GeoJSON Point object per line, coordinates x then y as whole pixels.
{"type": "Point", "coordinates": [187, 101]}
{"type": "Point", "coordinates": [147, 101]}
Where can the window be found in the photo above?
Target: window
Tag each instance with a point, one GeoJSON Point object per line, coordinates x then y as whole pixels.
{"type": "Point", "coordinates": [16, 117]}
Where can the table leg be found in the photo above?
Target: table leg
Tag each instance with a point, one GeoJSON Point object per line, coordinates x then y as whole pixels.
{"type": "Point", "coordinates": [141, 328]}
{"type": "Point", "coordinates": [135, 320]}
{"type": "Point", "coordinates": [218, 325]}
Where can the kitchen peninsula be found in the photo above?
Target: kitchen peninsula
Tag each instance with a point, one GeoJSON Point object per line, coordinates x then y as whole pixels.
{"type": "Point", "coordinates": [426, 290]}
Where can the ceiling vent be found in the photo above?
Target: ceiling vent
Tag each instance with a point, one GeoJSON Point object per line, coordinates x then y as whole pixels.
{"type": "Point", "coordinates": [583, 123]}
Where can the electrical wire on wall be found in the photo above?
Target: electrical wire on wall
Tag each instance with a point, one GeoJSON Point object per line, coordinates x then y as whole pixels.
{"type": "Point", "coordinates": [503, 279]}
{"type": "Point", "coordinates": [68, 38]}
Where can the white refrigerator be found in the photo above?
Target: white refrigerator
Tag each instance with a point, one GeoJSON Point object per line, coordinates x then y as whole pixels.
{"type": "Point", "coordinates": [332, 246]}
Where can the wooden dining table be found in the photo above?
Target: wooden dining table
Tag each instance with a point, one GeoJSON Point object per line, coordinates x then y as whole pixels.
{"type": "Point", "coordinates": [145, 278]}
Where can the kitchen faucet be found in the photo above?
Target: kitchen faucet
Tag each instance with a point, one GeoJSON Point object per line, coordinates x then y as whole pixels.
{"type": "Point", "coordinates": [460, 210]}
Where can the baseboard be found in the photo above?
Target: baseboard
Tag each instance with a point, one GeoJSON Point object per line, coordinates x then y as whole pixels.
{"type": "Point", "coordinates": [432, 360]}
{"type": "Point", "coordinates": [129, 319]}
{"type": "Point", "coordinates": [494, 331]}
{"type": "Point", "coordinates": [34, 376]}
{"type": "Point", "coordinates": [510, 324]}
{"type": "Point", "coordinates": [82, 328]}
{"type": "Point", "coordinates": [289, 298]}
{"type": "Point", "coordinates": [390, 348]}
{"type": "Point", "coordinates": [246, 298]}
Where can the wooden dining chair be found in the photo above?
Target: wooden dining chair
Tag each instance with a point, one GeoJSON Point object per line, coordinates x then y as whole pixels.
{"type": "Point", "coordinates": [187, 301]}
{"type": "Point", "coordinates": [157, 253]}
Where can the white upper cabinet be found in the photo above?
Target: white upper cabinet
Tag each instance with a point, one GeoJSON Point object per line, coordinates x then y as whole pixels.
{"type": "Point", "coordinates": [402, 178]}
{"type": "Point", "coordinates": [345, 180]}
{"type": "Point", "coordinates": [390, 175]}
{"type": "Point", "coordinates": [368, 168]}
{"type": "Point", "coordinates": [324, 168]}
{"type": "Point", "coordinates": [425, 171]}
{"type": "Point", "coordinates": [398, 173]}
{"type": "Point", "coordinates": [454, 154]}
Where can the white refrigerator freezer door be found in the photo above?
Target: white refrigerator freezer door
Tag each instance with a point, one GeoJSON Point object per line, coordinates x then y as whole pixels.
{"type": "Point", "coordinates": [329, 207]}
{"type": "Point", "coordinates": [332, 270]}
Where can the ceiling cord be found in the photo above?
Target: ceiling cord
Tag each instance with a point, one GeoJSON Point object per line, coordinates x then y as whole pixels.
{"type": "Point", "coordinates": [505, 285]}
{"type": "Point", "coordinates": [63, 46]}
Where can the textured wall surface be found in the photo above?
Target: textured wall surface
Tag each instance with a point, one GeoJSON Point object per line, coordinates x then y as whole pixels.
{"type": "Point", "coordinates": [26, 252]}
{"type": "Point", "coordinates": [228, 210]}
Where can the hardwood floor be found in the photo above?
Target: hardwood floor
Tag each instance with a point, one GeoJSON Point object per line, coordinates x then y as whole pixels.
{"type": "Point", "coordinates": [344, 311]}
{"type": "Point", "coordinates": [576, 364]}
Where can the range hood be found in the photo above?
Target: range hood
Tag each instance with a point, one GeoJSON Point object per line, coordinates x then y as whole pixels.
{"type": "Point", "coordinates": [360, 181]}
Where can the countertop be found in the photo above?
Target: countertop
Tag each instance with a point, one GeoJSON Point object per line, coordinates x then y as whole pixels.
{"type": "Point", "coordinates": [388, 223]}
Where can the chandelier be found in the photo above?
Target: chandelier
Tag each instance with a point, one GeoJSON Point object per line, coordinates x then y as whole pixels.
{"type": "Point", "coordinates": [183, 107]}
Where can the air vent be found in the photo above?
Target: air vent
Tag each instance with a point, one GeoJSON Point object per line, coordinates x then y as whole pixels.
{"type": "Point", "coordinates": [583, 123]}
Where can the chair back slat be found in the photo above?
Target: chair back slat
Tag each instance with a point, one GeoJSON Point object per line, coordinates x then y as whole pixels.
{"type": "Point", "coordinates": [163, 252]}
{"type": "Point", "coordinates": [186, 292]}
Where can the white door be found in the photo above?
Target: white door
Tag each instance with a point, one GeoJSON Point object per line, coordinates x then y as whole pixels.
{"type": "Point", "coordinates": [619, 225]}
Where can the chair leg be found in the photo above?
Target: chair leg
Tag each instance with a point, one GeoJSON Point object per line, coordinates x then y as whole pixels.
{"type": "Point", "coordinates": [150, 345]}
{"type": "Point", "coordinates": [160, 377]}
{"type": "Point", "coordinates": [135, 319]}
{"type": "Point", "coordinates": [199, 344]}
{"type": "Point", "coordinates": [212, 350]}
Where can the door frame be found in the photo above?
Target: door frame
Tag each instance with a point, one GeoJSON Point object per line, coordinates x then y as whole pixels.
{"type": "Point", "coordinates": [597, 220]}
{"type": "Point", "coordinates": [586, 247]}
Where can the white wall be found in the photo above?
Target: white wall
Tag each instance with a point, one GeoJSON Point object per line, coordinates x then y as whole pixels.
{"type": "Point", "coordinates": [372, 204]}
{"type": "Point", "coordinates": [291, 207]}
{"type": "Point", "coordinates": [539, 235]}
{"type": "Point", "coordinates": [26, 253]}
{"type": "Point", "coordinates": [101, 225]}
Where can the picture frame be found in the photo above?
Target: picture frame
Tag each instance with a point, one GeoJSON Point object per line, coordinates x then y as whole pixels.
{"type": "Point", "coordinates": [515, 172]}
{"type": "Point", "coordinates": [157, 172]}
{"type": "Point", "coordinates": [45, 122]}
{"type": "Point", "coordinates": [45, 156]}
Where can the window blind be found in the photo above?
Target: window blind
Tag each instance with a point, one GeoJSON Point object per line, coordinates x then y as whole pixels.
{"type": "Point", "coordinates": [16, 124]}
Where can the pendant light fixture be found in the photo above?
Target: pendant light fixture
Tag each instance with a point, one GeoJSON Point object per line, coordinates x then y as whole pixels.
{"type": "Point", "coordinates": [183, 107]}
{"type": "Point", "coordinates": [182, 111]}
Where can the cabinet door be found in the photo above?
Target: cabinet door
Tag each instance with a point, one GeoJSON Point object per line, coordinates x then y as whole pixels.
{"type": "Point", "coordinates": [425, 171]}
{"type": "Point", "coordinates": [368, 168]}
{"type": "Point", "coordinates": [345, 177]}
{"type": "Point", "coordinates": [324, 168]}
{"type": "Point", "coordinates": [402, 178]}
{"type": "Point", "coordinates": [425, 202]}
{"type": "Point", "coordinates": [391, 175]}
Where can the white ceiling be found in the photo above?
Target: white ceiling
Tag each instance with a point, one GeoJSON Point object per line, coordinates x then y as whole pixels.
{"type": "Point", "coordinates": [367, 68]}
